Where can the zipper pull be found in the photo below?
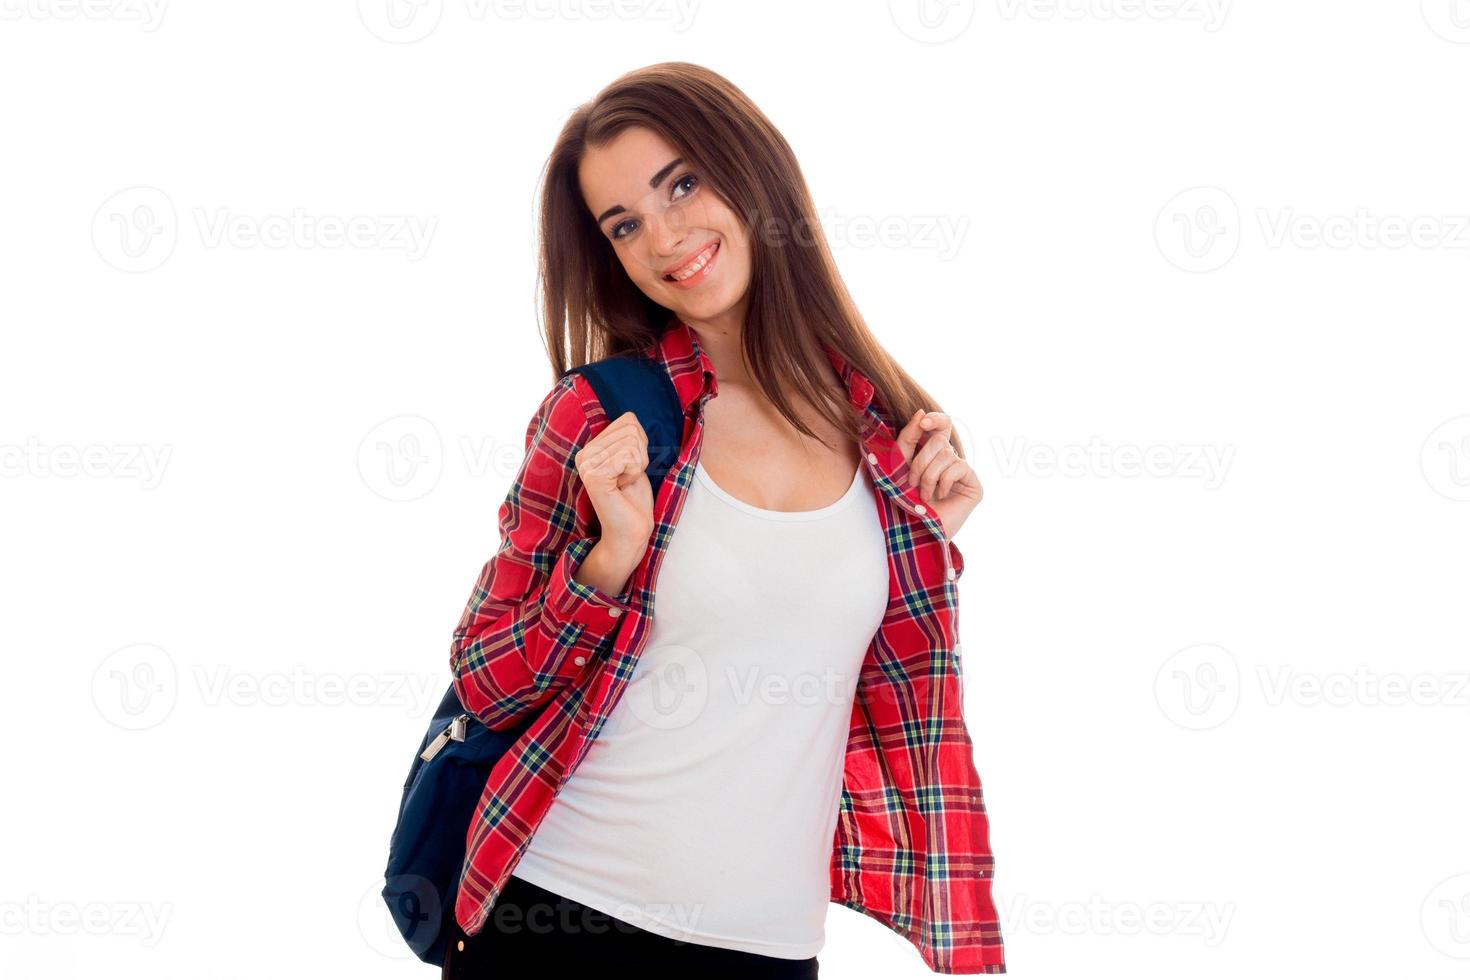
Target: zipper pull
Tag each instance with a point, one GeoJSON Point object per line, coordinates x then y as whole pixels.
{"type": "Point", "coordinates": [454, 732]}
{"type": "Point", "coordinates": [432, 749]}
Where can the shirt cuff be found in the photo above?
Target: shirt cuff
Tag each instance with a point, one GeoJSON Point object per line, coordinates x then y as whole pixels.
{"type": "Point", "coordinates": [578, 604]}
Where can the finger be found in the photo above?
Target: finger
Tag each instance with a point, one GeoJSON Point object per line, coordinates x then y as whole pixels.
{"type": "Point", "coordinates": [623, 424]}
{"type": "Point", "coordinates": [936, 422]}
{"type": "Point", "coordinates": [934, 446]}
{"type": "Point", "coordinates": [949, 476]}
{"type": "Point", "coordinates": [931, 469]}
{"type": "Point", "coordinates": [908, 436]}
{"type": "Point", "coordinates": [599, 458]}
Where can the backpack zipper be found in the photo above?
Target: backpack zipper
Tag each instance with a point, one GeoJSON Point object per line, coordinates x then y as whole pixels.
{"type": "Point", "coordinates": [454, 731]}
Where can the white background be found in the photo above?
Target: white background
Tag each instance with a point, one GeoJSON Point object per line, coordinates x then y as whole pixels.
{"type": "Point", "coordinates": [1219, 701]}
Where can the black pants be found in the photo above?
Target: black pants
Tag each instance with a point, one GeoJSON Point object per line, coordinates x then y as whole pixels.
{"type": "Point", "coordinates": [533, 933]}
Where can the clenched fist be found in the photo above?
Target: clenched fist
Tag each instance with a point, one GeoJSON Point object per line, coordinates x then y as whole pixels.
{"type": "Point", "coordinates": [612, 469]}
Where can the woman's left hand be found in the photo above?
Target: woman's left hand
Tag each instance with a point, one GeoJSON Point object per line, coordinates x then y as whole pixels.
{"type": "Point", "coordinates": [946, 483]}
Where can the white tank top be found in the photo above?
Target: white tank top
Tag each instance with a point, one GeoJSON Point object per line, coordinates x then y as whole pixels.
{"type": "Point", "coordinates": [705, 809]}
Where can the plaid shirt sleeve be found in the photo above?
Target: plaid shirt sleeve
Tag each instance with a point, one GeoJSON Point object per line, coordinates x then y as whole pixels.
{"type": "Point", "coordinates": [529, 626]}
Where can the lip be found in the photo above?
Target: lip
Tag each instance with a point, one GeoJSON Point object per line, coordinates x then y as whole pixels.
{"type": "Point", "coordinates": [712, 250]}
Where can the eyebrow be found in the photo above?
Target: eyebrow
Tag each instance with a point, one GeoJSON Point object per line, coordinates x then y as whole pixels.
{"type": "Point", "coordinates": [653, 182]}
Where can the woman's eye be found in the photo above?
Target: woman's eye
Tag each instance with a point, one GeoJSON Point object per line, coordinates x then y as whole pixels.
{"type": "Point", "coordinates": [682, 181]}
{"type": "Point", "coordinates": [682, 188]}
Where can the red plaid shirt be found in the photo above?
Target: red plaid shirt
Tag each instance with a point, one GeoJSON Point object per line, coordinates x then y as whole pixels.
{"type": "Point", "coordinates": [912, 846]}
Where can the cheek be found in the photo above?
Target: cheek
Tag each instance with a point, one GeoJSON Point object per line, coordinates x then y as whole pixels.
{"type": "Point", "coordinates": [637, 264]}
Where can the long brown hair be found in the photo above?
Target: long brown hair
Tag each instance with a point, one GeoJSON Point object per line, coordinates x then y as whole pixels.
{"type": "Point", "coordinates": [796, 299]}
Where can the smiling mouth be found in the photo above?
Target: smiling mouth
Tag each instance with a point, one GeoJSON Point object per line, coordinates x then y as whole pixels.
{"type": "Point", "coordinates": [695, 265]}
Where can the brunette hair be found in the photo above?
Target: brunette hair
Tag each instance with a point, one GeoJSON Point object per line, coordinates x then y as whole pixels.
{"type": "Point", "coordinates": [796, 298]}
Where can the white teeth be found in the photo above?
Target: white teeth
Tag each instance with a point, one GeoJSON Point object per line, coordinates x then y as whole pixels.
{"type": "Point", "coordinates": [693, 269]}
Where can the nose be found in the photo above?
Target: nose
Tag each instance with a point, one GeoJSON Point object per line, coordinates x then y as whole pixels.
{"type": "Point", "coordinates": [666, 232]}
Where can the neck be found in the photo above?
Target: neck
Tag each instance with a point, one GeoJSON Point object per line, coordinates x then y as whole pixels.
{"type": "Point", "coordinates": [719, 336]}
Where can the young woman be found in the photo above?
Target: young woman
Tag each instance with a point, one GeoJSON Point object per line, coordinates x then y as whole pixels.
{"type": "Point", "coordinates": [779, 724]}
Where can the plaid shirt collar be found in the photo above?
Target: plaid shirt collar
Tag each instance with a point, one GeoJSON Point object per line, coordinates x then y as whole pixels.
{"type": "Point", "coordinates": [694, 373]}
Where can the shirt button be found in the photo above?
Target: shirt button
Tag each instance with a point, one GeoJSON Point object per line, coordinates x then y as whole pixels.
{"type": "Point", "coordinates": [873, 458]}
{"type": "Point", "coordinates": [579, 661]}
{"type": "Point", "coordinates": [949, 573]}
{"type": "Point", "coordinates": [461, 946]}
{"type": "Point", "coordinates": [614, 611]}
{"type": "Point", "coordinates": [921, 508]}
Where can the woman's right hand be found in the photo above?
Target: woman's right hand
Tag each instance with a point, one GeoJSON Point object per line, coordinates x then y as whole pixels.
{"type": "Point", "coordinates": [612, 468]}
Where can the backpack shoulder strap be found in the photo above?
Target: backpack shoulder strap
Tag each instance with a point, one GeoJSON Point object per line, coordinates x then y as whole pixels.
{"type": "Point", "coordinates": [639, 384]}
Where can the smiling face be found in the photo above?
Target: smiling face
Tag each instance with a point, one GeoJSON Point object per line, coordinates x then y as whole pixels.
{"type": "Point", "coordinates": [677, 240]}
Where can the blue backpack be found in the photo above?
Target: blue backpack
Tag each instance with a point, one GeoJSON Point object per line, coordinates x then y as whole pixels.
{"type": "Point", "coordinates": [427, 849]}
